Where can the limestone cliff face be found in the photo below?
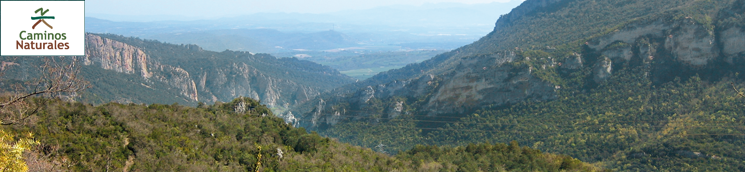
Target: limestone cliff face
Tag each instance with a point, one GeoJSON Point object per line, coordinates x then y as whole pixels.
{"type": "Point", "coordinates": [177, 78]}
{"type": "Point", "coordinates": [120, 57]}
{"type": "Point", "coordinates": [207, 78]}
{"type": "Point", "coordinates": [692, 44]}
{"type": "Point", "coordinates": [115, 55]}
{"type": "Point", "coordinates": [241, 79]}
{"type": "Point", "coordinates": [688, 42]}
{"type": "Point", "coordinates": [733, 43]}
{"type": "Point", "coordinates": [675, 46]}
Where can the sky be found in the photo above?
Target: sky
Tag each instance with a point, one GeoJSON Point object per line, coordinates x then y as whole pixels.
{"type": "Point", "coordinates": [211, 9]}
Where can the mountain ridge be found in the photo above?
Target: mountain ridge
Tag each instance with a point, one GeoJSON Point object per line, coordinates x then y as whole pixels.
{"type": "Point", "coordinates": [549, 51]}
{"type": "Point", "coordinates": [445, 63]}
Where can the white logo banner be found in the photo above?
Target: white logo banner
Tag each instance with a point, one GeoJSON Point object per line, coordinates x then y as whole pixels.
{"type": "Point", "coordinates": [42, 28]}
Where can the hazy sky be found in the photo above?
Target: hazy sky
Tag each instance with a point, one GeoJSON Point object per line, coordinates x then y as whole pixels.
{"type": "Point", "coordinates": [202, 9]}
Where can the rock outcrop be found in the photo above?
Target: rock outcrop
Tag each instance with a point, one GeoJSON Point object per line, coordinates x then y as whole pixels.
{"type": "Point", "coordinates": [210, 80]}
{"type": "Point", "coordinates": [485, 80]}
{"type": "Point", "coordinates": [120, 57]}
{"type": "Point", "coordinates": [683, 45]}
{"type": "Point", "coordinates": [115, 55]}
{"type": "Point", "coordinates": [477, 81]}
{"type": "Point", "coordinates": [733, 43]}
{"type": "Point", "coordinates": [178, 78]}
{"type": "Point", "coordinates": [692, 43]}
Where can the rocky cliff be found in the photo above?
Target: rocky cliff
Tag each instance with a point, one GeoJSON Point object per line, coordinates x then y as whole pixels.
{"type": "Point", "coordinates": [123, 58]}
{"type": "Point", "coordinates": [115, 55]}
{"type": "Point", "coordinates": [210, 76]}
{"type": "Point", "coordinates": [131, 70]}
{"type": "Point", "coordinates": [668, 48]}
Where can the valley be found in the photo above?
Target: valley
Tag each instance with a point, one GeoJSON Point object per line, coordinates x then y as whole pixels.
{"type": "Point", "coordinates": [361, 55]}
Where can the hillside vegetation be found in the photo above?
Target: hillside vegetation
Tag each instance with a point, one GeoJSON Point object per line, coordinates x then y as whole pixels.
{"type": "Point", "coordinates": [626, 124]}
{"type": "Point", "coordinates": [241, 135]}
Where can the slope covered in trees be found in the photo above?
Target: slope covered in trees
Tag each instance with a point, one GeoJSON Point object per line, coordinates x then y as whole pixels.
{"type": "Point", "coordinates": [630, 85]}
{"type": "Point", "coordinates": [241, 135]}
{"type": "Point", "coordinates": [626, 124]}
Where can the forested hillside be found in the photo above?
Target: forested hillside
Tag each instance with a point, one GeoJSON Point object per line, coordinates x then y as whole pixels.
{"type": "Point", "coordinates": [241, 135]}
{"type": "Point", "coordinates": [629, 85]}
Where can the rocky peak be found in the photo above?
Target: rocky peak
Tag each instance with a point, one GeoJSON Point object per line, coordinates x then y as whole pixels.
{"type": "Point", "coordinates": [526, 7]}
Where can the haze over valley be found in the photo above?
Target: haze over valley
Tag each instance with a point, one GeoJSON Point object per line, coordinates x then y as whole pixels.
{"type": "Point", "coordinates": [327, 38]}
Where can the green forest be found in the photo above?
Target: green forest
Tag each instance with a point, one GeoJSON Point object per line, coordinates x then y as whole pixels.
{"type": "Point", "coordinates": [625, 124]}
{"type": "Point", "coordinates": [241, 135]}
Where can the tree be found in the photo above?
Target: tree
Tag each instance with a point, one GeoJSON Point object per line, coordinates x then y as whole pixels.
{"type": "Point", "coordinates": [11, 151]}
{"type": "Point", "coordinates": [57, 79]}
{"type": "Point", "coordinates": [739, 94]}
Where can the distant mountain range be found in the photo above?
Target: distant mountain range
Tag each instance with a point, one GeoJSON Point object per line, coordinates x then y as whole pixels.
{"type": "Point", "coordinates": [448, 25]}
{"type": "Point", "coordinates": [261, 40]}
{"type": "Point", "coordinates": [371, 52]}
{"type": "Point", "coordinates": [272, 38]}
{"type": "Point", "coordinates": [382, 33]}
{"type": "Point", "coordinates": [437, 18]}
